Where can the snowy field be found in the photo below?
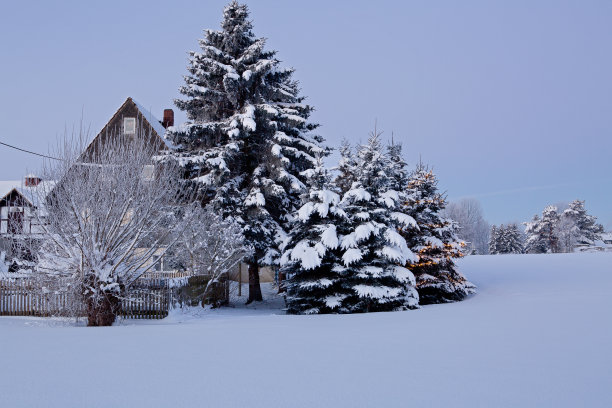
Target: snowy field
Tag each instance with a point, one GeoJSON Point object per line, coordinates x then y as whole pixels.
{"type": "Point", "coordinates": [538, 334]}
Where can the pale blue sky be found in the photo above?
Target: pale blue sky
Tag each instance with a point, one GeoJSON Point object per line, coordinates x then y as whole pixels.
{"type": "Point", "coordinates": [511, 102]}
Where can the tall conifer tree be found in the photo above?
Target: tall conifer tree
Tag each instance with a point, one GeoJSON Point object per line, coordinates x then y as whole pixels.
{"type": "Point", "coordinates": [536, 239]}
{"type": "Point", "coordinates": [584, 229]}
{"type": "Point", "coordinates": [248, 140]}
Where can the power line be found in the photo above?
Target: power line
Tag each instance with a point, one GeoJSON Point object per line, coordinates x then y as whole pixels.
{"type": "Point", "coordinates": [30, 152]}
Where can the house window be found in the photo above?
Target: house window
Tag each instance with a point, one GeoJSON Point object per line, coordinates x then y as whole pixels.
{"type": "Point", "coordinates": [15, 220]}
{"type": "Point", "coordinates": [148, 172]}
{"type": "Point", "coordinates": [157, 260]}
{"type": "Point", "coordinates": [129, 126]}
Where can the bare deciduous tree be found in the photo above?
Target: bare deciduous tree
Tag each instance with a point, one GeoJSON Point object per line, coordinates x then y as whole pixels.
{"type": "Point", "coordinates": [473, 228]}
{"type": "Point", "coordinates": [109, 212]}
{"type": "Point", "coordinates": [209, 245]}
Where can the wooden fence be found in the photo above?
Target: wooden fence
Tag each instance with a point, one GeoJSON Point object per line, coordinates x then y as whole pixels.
{"type": "Point", "coordinates": [26, 297]}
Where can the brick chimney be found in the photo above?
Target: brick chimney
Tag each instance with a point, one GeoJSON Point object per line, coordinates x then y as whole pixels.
{"type": "Point", "coordinates": [168, 118]}
{"type": "Point", "coordinates": [31, 180]}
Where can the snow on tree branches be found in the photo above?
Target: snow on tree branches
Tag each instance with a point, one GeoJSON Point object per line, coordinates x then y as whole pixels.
{"type": "Point", "coordinates": [248, 140]}
{"type": "Point", "coordinates": [506, 240]}
{"type": "Point", "coordinates": [312, 261]}
{"type": "Point", "coordinates": [436, 244]}
{"type": "Point", "coordinates": [105, 219]}
{"type": "Point", "coordinates": [374, 253]}
{"type": "Point", "coordinates": [555, 232]}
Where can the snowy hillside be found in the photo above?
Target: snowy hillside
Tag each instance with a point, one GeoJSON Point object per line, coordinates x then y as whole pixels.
{"type": "Point", "coordinates": [538, 333]}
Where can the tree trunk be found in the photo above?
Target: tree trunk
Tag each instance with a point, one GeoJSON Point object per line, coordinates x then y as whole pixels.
{"type": "Point", "coordinates": [102, 311]}
{"type": "Point", "coordinates": [254, 287]}
{"type": "Point", "coordinates": [281, 282]}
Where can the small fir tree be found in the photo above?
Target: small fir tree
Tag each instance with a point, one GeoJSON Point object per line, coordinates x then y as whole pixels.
{"type": "Point", "coordinates": [536, 240]}
{"type": "Point", "coordinates": [398, 173]}
{"type": "Point", "coordinates": [514, 242]}
{"type": "Point", "coordinates": [550, 220]}
{"type": "Point", "coordinates": [502, 239]}
{"type": "Point", "coordinates": [437, 245]}
{"type": "Point", "coordinates": [312, 259]}
{"type": "Point", "coordinates": [373, 251]}
{"type": "Point", "coordinates": [542, 233]}
{"type": "Point", "coordinates": [347, 167]}
{"type": "Point", "coordinates": [493, 241]}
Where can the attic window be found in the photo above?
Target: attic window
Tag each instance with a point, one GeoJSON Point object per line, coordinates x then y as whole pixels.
{"type": "Point", "coordinates": [129, 126]}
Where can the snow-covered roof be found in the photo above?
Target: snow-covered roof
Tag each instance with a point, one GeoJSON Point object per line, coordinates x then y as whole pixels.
{"type": "Point", "coordinates": [8, 186]}
{"type": "Point", "coordinates": [154, 122]}
{"type": "Point", "coordinates": [32, 193]}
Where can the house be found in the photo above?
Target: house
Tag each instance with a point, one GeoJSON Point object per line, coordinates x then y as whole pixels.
{"type": "Point", "coordinates": [20, 201]}
{"type": "Point", "coordinates": [603, 244]}
{"type": "Point", "coordinates": [19, 221]}
{"type": "Point", "coordinates": [133, 120]}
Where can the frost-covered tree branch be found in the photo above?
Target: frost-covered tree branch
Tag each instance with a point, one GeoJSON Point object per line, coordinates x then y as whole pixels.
{"type": "Point", "coordinates": [209, 245]}
{"type": "Point", "coordinates": [109, 211]}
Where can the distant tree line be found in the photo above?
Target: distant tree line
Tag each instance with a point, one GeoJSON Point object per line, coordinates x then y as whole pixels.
{"type": "Point", "coordinates": [555, 231]}
{"type": "Point", "coordinates": [551, 232]}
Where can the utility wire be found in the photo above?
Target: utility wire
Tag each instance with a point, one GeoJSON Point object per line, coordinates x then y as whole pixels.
{"type": "Point", "coordinates": [27, 151]}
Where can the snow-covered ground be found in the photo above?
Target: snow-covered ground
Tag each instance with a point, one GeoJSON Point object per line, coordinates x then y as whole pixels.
{"type": "Point", "coordinates": [538, 334]}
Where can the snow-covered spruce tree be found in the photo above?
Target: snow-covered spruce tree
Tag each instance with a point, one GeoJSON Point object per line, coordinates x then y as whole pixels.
{"type": "Point", "coordinates": [536, 241]}
{"type": "Point", "coordinates": [513, 242]}
{"type": "Point", "coordinates": [493, 241]}
{"type": "Point", "coordinates": [312, 258]}
{"type": "Point", "coordinates": [437, 279]}
{"type": "Point", "coordinates": [542, 233]}
{"type": "Point", "coordinates": [248, 140]}
{"type": "Point", "coordinates": [373, 252]}
{"type": "Point", "coordinates": [347, 167]}
{"type": "Point", "coordinates": [398, 169]}
{"type": "Point", "coordinates": [502, 240]}
{"type": "Point", "coordinates": [399, 180]}
{"type": "Point", "coordinates": [579, 228]}
{"type": "Point", "coordinates": [549, 221]}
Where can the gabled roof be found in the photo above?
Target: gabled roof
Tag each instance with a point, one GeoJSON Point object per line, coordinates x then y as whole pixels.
{"type": "Point", "coordinates": [155, 123]}
{"type": "Point", "coordinates": [148, 122]}
{"type": "Point", "coordinates": [31, 195]}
